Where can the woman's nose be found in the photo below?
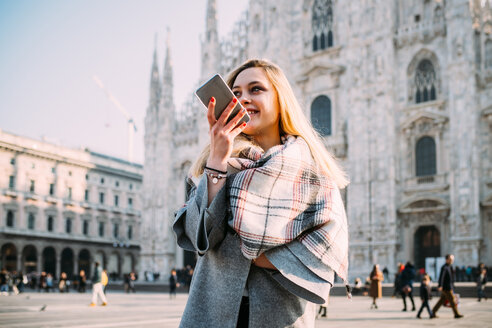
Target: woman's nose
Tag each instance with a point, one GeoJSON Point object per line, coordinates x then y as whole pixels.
{"type": "Point", "coordinates": [244, 99]}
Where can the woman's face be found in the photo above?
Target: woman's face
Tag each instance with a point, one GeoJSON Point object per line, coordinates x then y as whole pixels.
{"type": "Point", "coordinates": [257, 94]}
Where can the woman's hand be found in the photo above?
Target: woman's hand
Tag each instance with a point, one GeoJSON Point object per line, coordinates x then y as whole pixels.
{"type": "Point", "coordinates": [222, 134]}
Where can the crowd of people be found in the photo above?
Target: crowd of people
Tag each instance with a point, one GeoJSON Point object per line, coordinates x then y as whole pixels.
{"type": "Point", "coordinates": [406, 275]}
{"type": "Point", "coordinates": [181, 277]}
{"type": "Point", "coordinates": [13, 283]}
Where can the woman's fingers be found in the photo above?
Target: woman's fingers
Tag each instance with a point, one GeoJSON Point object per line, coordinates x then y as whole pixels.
{"type": "Point", "coordinates": [227, 112]}
{"type": "Point", "coordinates": [237, 130]}
{"type": "Point", "coordinates": [232, 124]}
{"type": "Point", "coordinates": [211, 112]}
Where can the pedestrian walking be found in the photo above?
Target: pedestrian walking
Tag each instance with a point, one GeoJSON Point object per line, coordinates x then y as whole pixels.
{"type": "Point", "coordinates": [82, 281]}
{"type": "Point", "coordinates": [97, 288]}
{"type": "Point", "coordinates": [62, 284]}
{"type": "Point", "coordinates": [49, 282]}
{"type": "Point", "coordinates": [21, 281]}
{"type": "Point", "coordinates": [4, 287]}
{"type": "Point", "coordinates": [376, 289]}
{"type": "Point", "coordinates": [173, 284]}
{"type": "Point", "coordinates": [104, 280]}
{"type": "Point", "coordinates": [131, 281]}
{"type": "Point", "coordinates": [126, 282]}
{"type": "Point", "coordinates": [406, 281]}
{"type": "Point", "coordinates": [397, 283]}
{"type": "Point", "coordinates": [266, 216]}
{"type": "Point", "coordinates": [42, 282]}
{"type": "Point", "coordinates": [357, 289]}
{"type": "Point", "coordinates": [481, 282]}
{"type": "Point", "coordinates": [386, 273]}
{"type": "Point", "coordinates": [446, 287]}
{"type": "Point", "coordinates": [425, 296]}
{"type": "Point", "coordinates": [188, 277]}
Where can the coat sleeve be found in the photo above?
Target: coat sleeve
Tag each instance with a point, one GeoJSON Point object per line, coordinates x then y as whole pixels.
{"type": "Point", "coordinates": [198, 227]}
{"type": "Point", "coordinates": [441, 277]}
{"type": "Point", "coordinates": [300, 273]}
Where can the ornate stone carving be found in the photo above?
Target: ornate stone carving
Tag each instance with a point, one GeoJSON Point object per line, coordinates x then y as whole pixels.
{"type": "Point", "coordinates": [425, 203]}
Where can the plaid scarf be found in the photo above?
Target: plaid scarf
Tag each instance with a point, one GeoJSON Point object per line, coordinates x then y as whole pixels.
{"type": "Point", "coordinates": [278, 196]}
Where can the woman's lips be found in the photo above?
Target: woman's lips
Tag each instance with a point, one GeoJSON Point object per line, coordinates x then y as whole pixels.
{"type": "Point", "coordinates": [252, 111]}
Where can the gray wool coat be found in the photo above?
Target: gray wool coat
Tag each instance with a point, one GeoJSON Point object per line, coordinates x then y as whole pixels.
{"type": "Point", "coordinates": [283, 298]}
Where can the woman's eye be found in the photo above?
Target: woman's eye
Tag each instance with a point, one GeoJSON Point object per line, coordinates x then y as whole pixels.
{"type": "Point", "coordinates": [237, 93]}
{"type": "Point", "coordinates": [256, 89]}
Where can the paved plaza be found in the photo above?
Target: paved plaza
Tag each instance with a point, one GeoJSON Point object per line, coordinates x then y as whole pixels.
{"type": "Point", "coordinates": [157, 310]}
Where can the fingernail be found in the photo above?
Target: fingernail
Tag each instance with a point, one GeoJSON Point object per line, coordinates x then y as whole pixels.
{"type": "Point", "coordinates": [234, 100]}
{"type": "Point", "coordinates": [244, 124]}
{"type": "Point", "coordinates": [212, 100]}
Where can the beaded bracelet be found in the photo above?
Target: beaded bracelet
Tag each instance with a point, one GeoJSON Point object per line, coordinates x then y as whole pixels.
{"type": "Point", "coordinates": [215, 177]}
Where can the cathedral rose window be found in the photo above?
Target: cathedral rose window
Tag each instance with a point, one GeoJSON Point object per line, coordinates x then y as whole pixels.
{"type": "Point", "coordinates": [322, 23]}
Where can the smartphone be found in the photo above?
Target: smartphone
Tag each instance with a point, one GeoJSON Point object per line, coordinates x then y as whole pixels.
{"type": "Point", "coordinates": [217, 88]}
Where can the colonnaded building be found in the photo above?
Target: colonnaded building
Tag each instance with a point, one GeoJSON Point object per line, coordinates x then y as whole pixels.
{"type": "Point", "coordinates": [62, 209]}
{"type": "Point", "coordinates": [401, 91]}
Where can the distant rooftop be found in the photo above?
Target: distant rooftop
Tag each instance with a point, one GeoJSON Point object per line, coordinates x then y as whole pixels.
{"type": "Point", "coordinates": [119, 160]}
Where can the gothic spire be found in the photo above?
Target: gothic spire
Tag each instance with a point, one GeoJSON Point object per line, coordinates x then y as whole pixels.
{"type": "Point", "coordinates": [155, 83]}
{"type": "Point", "coordinates": [210, 44]}
{"type": "Point", "coordinates": [211, 27]}
{"type": "Point", "coordinates": [168, 73]}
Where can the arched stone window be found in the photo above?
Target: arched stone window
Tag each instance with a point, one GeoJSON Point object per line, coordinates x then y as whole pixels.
{"type": "Point", "coordinates": [425, 155]}
{"type": "Point", "coordinates": [425, 82]}
{"type": "Point", "coordinates": [322, 24]}
{"type": "Point", "coordinates": [10, 218]}
{"type": "Point", "coordinates": [488, 54]}
{"type": "Point", "coordinates": [321, 115]}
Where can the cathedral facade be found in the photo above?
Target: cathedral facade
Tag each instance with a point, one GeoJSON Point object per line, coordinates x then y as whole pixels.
{"type": "Point", "coordinates": [401, 93]}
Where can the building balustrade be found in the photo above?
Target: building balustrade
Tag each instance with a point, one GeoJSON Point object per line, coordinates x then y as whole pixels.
{"type": "Point", "coordinates": [10, 193]}
{"type": "Point", "coordinates": [426, 182]}
{"type": "Point", "coordinates": [419, 31]}
{"type": "Point", "coordinates": [102, 207]}
{"type": "Point", "coordinates": [69, 202]}
{"type": "Point", "coordinates": [436, 106]}
{"type": "Point", "coordinates": [132, 211]}
{"type": "Point", "coordinates": [116, 209]}
{"type": "Point", "coordinates": [86, 205]}
{"type": "Point", "coordinates": [51, 200]}
{"type": "Point", "coordinates": [32, 196]}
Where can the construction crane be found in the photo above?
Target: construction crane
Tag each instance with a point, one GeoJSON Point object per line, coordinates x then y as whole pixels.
{"type": "Point", "coordinates": [132, 128]}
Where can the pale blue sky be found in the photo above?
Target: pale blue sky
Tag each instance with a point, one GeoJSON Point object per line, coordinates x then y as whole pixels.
{"type": "Point", "coordinates": [50, 49]}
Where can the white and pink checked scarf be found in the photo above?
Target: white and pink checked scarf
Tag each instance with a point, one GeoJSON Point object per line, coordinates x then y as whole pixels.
{"type": "Point", "coordinates": [279, 196]}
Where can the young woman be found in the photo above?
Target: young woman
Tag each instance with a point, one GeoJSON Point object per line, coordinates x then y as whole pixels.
{"type": "Point", "coordinates": [376, 289]}
{"type": "Point", "coordinates": [266, 217]}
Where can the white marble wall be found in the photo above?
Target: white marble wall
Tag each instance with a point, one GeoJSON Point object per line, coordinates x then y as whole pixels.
{"type": "Point", "coordinates": [368, 75]}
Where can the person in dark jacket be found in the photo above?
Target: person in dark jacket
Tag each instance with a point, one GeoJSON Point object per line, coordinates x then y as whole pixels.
{"type": "Point", "coordinates": [481, 282]}
{"type": "Point", "coordinates": [425, 295]}
{"type": "Point", "coordinates": [173, 283]}
{"type": "Point", "coordinates": [397, 283]}
{"type": "Point", "coordinates": [406, 283]}
{"type": "Point", "coordinates": [446, 287]}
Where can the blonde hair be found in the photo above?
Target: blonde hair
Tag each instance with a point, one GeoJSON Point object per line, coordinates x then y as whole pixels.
{"type": "Point", "coordinates": [292, 122]}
